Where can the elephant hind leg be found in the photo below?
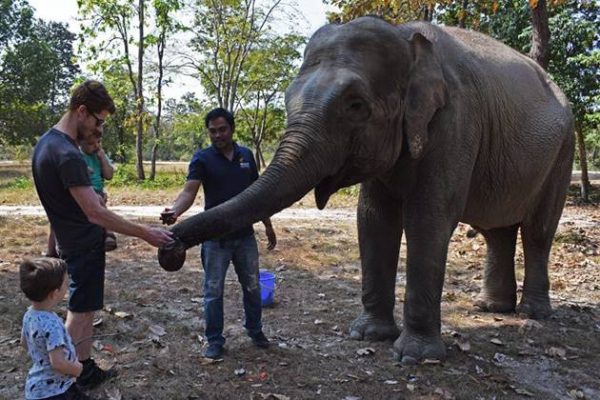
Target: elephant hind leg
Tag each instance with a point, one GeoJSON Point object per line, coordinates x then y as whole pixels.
{"type": "Point", "coordinates": [537, 233]}
{"type": "Point", "coordinates": [499, 292]}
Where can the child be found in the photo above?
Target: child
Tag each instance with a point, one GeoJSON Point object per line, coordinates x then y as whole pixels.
{"type": "Point", "coordinates": [99, 168]}
{"type": "Point", "coordinates": [55, 365]}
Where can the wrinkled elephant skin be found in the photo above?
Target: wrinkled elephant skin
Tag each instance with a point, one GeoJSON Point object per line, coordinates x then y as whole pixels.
{"type": "Point", "coordinates": [440, 126]}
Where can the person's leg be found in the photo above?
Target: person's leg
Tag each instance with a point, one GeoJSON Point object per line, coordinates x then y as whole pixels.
{"type": "Point", "coordinates": [86, 296]}
{"type": "Point", "coordinates": [215, 261]}
{"type": "Point", "coordinates": [245, 261]}
{"type": "Point", "coordinates": [80, 327]}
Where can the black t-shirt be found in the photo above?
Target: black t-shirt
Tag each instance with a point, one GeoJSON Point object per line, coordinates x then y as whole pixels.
{"type": "Point", "coordinates": [58, 165]}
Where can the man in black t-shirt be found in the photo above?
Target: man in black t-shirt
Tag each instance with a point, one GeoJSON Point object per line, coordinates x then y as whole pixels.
{"type": "Point", "coordinates": [78, 218]}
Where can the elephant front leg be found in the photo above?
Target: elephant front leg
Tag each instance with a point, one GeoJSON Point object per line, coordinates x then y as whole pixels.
{"type": "Point", "coordinates": [379, 235]}
{"type": "Point", "coordinates": [427, 245]}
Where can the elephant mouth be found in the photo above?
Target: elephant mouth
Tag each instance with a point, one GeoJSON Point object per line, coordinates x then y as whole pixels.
{"type": "Point", "coordinates": [329, 186]}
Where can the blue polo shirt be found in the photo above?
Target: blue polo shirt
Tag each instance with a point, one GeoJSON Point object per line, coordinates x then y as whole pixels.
{"type": "Point", "coordinates": [223, 179]}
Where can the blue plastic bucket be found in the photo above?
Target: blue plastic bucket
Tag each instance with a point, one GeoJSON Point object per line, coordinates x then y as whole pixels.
{"type": "Point", "coordinates": [267, 287]}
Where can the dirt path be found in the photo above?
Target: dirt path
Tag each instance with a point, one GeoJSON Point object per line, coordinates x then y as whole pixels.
{"type": "Point", "coordinates": [569, 217]}
{"type": "Point", "coordinates": [154, 211]}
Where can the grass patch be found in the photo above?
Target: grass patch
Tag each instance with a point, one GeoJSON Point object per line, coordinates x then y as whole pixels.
{"type": "Point", "coordinates": [20, 183]}
{"type": "Point", "coordinates": [126, 175]}
{"type": "Point", "coordinates": [572, 236]}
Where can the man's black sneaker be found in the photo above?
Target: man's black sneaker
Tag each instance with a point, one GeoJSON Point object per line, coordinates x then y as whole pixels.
{"type": "Point", "coordinates": [92, 375]}
{"type": "Point", "coordinates": [214, 351]}
{"type": "Point", "coordinates": [260, 340]}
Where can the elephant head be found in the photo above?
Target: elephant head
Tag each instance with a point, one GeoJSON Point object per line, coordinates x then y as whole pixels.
{"type": "Point", "coordinates": [362, 99]}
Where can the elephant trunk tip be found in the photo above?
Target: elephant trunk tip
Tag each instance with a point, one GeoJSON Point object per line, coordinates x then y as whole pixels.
{"type": "Point", "coordinates": [171, 257]}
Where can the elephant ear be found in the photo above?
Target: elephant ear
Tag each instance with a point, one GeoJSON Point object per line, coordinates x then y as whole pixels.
{"type": "Point", "coordinates": [426, 93]}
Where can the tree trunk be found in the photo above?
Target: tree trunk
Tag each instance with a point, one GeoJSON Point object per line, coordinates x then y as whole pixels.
{"type": "Point", "coordinates": [121, 149]}
{"type": "Point", "coordinates": [161, 52]}
{"type": "Point", "coordinates": [585, 180]}
{"type": "Point", "coordinates": [540, 39]}
{"type": "Point", "coordinates": [257, 157]}
{"type": "Point", "coordinates": [139, 143]}
{"type": "Point", "coordinates": [261, 157]}
{"type": "Point", "coordinates": [463, 14]}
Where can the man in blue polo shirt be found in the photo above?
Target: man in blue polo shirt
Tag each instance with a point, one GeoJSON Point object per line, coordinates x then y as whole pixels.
{"type": "Point", "coordinates": [225, 169]}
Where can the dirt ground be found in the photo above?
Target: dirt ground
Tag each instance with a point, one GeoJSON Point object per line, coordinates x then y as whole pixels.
{"type": "Point", "coordinates": [151, 327]}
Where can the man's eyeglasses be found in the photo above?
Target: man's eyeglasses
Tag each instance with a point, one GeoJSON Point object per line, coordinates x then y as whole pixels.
{"type": "Point", "coordinates": [99, 121]}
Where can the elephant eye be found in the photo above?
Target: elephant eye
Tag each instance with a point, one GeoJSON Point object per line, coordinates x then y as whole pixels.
{"type": "Point", "coordinates": [356, 106]}
{"type": "Point", "coordinates": [357, 110]}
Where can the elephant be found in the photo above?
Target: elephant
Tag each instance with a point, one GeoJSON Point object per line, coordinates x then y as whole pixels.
{"type": "Point", "coordinates": [439, 125]}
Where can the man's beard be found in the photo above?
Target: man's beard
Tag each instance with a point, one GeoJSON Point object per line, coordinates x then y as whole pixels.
{"type": "Point", "coordinates": [80, 135]}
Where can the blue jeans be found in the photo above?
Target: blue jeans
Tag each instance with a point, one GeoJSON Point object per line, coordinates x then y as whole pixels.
{"type": "Point", "coordinates": [216, 255]}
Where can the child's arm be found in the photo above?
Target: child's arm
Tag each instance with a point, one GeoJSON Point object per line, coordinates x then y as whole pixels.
{"type": "Point", "coordinates": [105, 165]}
{"type": "Point", "coordinates": [62, 365]}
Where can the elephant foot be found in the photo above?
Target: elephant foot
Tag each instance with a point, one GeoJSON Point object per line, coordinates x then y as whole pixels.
{"type": "Point", "coordinates": [369, 327]}
{"type": "Point", "coordinates": [172, 256]}
{"type": "Point", "coordinates": [410, 348]}
{"type": "Point", "coordinates": [488, 303]}
{"type": "Point", "coordinates": [535, 308]}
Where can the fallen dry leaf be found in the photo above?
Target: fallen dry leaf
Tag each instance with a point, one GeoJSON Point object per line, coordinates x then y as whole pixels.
{"type": "Point", "coordinates": [556, 352]}
{"type": "Point", "coordinates": [529, 325]}
{"type": "Point", "coordinates": [272, 396]}
{"type": "Point", "coordinates": [499, 358]}
{"type": "Point", "coordinates": [463, 345]}
{"type": "Point", "coordinates": [367, 351]}
{"type": "Point", "coordinates": [113, 393]}
{"type": "Point", "coordinates": [521, 391]}
{"type": "Point", "coordinates": [157, 330]}
{"type": "Point", "coordinates": [123, 314]}
{"type": "Point", "coordinates": [209, 361]}
{"type": "Point", "coordinates": [576, 394]}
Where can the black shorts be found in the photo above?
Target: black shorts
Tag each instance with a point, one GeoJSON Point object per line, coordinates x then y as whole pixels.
{"type": "Point", "coordinates": [86, 279]}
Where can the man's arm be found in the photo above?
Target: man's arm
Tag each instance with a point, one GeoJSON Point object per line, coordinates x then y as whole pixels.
{"type": "Point", "coordinates": [89, 202]}
{"type": "Point", "coordinates": [106, 167]}
{"type": "Point", "coordinates": [270, 233]}
{"type": "Point", "coordinates": [183, 202]}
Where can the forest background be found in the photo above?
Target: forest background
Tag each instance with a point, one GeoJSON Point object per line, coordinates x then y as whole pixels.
{"type": "Point", "coordinates": [243, 53]}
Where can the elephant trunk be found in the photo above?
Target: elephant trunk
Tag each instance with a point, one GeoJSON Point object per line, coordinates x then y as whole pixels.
{"type": "Point", "coordinates": [296, 168]}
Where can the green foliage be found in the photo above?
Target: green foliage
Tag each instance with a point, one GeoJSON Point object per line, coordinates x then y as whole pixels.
{"type": "Point", "coordinates": [575, 57]}
{"type": "Point", "coordinates": [393, 11]}
{"type": "Point", "coordinates": [119, 138]}
{"type": "Point", "coordinates": [352, 191]}
{"type": "Point", "coordinates": [125, 175]}
{"type": "Point", "coordinates": [182, 129]}
{"type": "Point", "coordinates": [16, 18]}
{"type": "Point", "coordinates": [244, 65]}
{"type": "Point", "coordinates": [21, 183]}
{"type": "Point", "coordinates": [35, 76]}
